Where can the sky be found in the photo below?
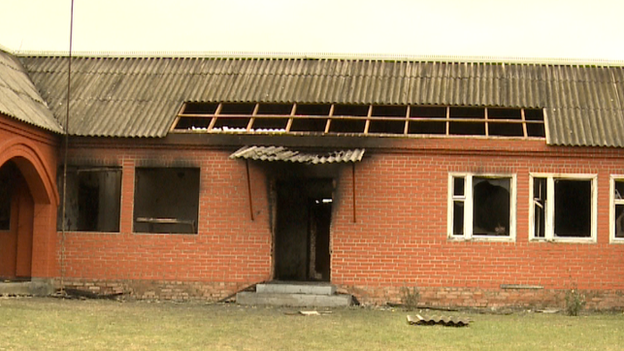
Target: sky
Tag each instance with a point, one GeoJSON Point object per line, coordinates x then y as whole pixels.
{"type": "Point", "coordinates": [571, 29]}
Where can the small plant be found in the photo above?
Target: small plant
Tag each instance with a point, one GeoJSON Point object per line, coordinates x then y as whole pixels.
{"type": "Point", "coordinates": [574, 302]}
{"type": "Point", "coordinates": [410, 297]}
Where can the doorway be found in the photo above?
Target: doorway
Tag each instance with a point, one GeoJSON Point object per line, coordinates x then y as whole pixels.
{"type": "Point", "coordinates": [16, 224]}
{"type": "Point", "coordinates": [302, 230]}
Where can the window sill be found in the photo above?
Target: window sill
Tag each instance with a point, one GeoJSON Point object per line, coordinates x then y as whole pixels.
{"type": "Point", "coordinates": [565, 240]}
{"type": "Point", "coordinates": [483, 238]}
{"type": "Point", "coordinates": [87, 232]}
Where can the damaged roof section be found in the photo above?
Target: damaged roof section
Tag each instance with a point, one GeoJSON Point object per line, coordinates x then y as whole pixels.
{"type": "Point", "coordinates": [140, 97]}
{"type": "Point", "coordinates": [283, 154]}
{"type": "Point", "coordinates": [19, 97]}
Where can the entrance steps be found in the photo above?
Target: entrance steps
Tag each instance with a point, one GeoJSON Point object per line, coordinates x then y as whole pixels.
{"type": "Point", "coordinates": [295, 294]}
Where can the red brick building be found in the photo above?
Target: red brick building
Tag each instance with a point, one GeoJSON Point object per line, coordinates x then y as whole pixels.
{"type": "Point", "coordinates": [481, 184]}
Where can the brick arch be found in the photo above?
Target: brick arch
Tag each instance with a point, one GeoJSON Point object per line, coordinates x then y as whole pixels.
{"type": "Point", "coordinates": [33, 169]}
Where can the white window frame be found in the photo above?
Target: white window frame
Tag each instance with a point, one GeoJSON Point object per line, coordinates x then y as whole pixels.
{"type": "Point", "coordinates": [612, 203]}
{"type": "Point", "coordinates": [468, 207]}
{"type": "Point", "coordinates": [549, 232]}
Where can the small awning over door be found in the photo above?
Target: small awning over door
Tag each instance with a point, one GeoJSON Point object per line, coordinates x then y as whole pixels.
{"type": "Point", "coordinates": [281, 153]}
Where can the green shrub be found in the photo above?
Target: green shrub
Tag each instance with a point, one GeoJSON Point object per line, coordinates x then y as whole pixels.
{"type": "Point", "coordinates": [574, 302]}
{"type": "Point", "coordinates": [410, 297]}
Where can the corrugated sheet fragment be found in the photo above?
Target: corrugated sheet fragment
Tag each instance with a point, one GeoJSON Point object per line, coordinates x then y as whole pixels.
{"type": "Point", "coordinates": [20, 99]}
{"type": "Point", "coordinates": [283, 154]}
{"type": "Point", "coordinates": [449, 321]}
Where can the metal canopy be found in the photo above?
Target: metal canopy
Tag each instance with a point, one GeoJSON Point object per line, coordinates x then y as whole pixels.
{"type": "Point", "coordinates": [281, 153]}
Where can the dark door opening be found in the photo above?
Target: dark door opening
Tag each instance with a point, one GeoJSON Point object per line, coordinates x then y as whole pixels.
{"type": "Point", "coordinates": [302, 231]}
{"type": "Point", "coordinates": [16, 224]}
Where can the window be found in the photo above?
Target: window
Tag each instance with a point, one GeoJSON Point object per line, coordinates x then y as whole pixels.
{"type": "Point", "coordinates": [617, 209]}
{"type": "Point", "coordinates": [563, 207]}
{"type": "Point", "coordinates": [482, 206]}
{"type": "Point", "coordinates": [405, 120]}
{"type": "Point", "coordinates": [166, 200]}
{"type": "Point", "coordinates": [93, 198]}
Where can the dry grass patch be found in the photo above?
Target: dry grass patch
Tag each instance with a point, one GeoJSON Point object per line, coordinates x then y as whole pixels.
{"type": "Point", "coordinates": [51, 324]}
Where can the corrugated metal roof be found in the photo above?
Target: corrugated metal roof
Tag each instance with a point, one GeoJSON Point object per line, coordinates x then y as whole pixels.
{"type": "Point", "coordinates": [19, 97]}
{"type": "Point", "coordinates": [280, 153]}
{"type": "Point", "coordinates": [139, 97]}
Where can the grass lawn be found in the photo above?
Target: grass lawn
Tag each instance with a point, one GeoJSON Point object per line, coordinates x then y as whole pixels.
{"type": "Point", "coordinates": [53, 324]}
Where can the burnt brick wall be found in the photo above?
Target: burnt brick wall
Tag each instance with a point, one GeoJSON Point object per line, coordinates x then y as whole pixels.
{"type": "Point", "coordinates": [399, 238]}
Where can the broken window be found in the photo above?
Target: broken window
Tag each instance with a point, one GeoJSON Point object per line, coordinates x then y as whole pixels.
{"type": "Point", "coordinates": [482, 206]}
{"type": "Point", "coordinates": [617, 205]}
{"type": "Point", "coordinates": [93, 197]}
{"type": "Point", "coordinates": [254, 117]}
{"type": "Point", "coordinates": [563, 207]}
{"type": "Point", "coordinates": [8, 172]}
{"type": "Point", "coordinates": [166, 200]}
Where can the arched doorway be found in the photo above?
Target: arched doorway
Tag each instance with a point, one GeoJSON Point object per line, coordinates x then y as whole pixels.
{"type": "Point", "coordinates": [16, 224]}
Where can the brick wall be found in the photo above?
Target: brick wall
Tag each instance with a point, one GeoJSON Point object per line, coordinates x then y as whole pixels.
{"type": "Point", "coordinates": [399, 238]}
{"type": "Point", "coordinates": [35, 152]}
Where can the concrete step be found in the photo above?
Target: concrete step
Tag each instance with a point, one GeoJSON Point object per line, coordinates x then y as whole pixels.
{"type": "Point", "coordinates": [30, 288]}
{"type": "Point", "coordinates": [296, 288]}
{"type": "Point", "coordinates": [294, 300]}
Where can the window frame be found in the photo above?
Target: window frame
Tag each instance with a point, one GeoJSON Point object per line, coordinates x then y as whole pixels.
{"type": "Point", "coordinates": [612, 203]}
{"type": "Point", "coordinates": [469, 210]}
{"type": "Point", "coordinates": [165, 221]}
{"type": "Point", "coordinates": [76, 169]}
{"type": "Point", "coordinates": [549, 228]}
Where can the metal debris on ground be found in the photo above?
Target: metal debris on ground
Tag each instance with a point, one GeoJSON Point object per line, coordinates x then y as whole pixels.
{"type": "Point", "coordinates": [447, 321]}
{"type": "Point", "coordinates": [309, 313]}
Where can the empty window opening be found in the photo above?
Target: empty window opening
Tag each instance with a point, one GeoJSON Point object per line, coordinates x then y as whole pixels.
{"type": "Point", "coordinates": [617, 204]}
{"type": "Point", "coordinates": [274, 109]}
{"type": "Point", "coordinates": [491, 206]}
{"type": "Point", "coordinates": [505, 129]}
{"type": "Point", "coordinates": [231, 124]}
{"type": "Point", "coordinates": [8, 172]}
{"type": "Point", "coordinates": [572, 208]}
{"type": "Point", "coordinates": [269, 124]}
{"type": "Point", "coordinates": [563, 208]}
{"type": "Point", "coordinates": [347, 125]}
{"type": "Point", "coordinates": [389, 111]}
{"type": "Point", "coordinates": [93, 199]}
{"type": "Point", "coordinates": [481, 206]}
{"type": "Point", "coordinates": [193, 123]}
{"type": "Point", "coordinates": [467, 121]}
{"type": "Point", "coordinates": [361, 119]}
{"type": "Point", "coordinates": [351, 110]}
{"type": "Point", "coordinates": [386, 126]}
{"type": "Point", "coordinates": [534, 119]}
{"type": "Point", "coordinates": [313, 125]}
{"type": "Point", "coordinates": [428, 112]}
{"type": "Point", "coordinates": [312, 110]}
{"type": "Point", "coordinates": [505, 122]}
{"type": "Point", "coordinates": [424, 127]}
{"type": "Point", "coordinates": [466, 128]}
{"type": "Point", "coordinates": [238, 109]}
{"type": "Point", "coordinates": [166, 200]}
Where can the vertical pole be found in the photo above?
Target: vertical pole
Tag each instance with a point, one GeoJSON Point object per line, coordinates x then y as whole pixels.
{"type": "Point", "coordinates": [353, 186]}
{"type": "Point", "coordinates": [249, 190]}
{"type": "Point", "coordinates": [65, 151]}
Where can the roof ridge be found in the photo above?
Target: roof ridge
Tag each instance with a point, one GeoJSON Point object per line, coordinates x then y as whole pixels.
{"type": "Point", "coordinates": [242, 55]}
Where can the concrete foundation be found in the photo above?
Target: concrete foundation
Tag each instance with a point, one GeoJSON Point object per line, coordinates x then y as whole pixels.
{"type": "Point", "coordinates": [294, 294]}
